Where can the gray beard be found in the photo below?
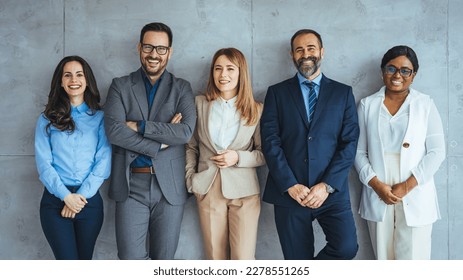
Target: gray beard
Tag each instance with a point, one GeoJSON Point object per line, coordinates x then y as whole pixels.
{"type": "Point", "coordinates": [307, 71]}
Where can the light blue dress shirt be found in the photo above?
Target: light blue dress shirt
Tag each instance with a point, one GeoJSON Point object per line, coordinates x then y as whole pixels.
{"type": "Point", "coordinates": [81, 158]}
{"type": "Point", "coordinates": [305, 89]}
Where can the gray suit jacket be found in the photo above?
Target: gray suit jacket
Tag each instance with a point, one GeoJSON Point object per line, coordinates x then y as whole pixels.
{"type": "Point", "coordinates": [127, 101]}
{"type": "Point", "coordinates": [237, 181]}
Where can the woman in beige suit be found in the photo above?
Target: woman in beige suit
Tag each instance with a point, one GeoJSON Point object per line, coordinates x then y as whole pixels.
{"type": "Point", "coordinates": [222, 157]}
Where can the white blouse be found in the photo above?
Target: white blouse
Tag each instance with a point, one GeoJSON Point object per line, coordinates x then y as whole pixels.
{"type": "Point", "coordinates": [224, 121]}
{"type": "Point", "coordinates": [392, 128]}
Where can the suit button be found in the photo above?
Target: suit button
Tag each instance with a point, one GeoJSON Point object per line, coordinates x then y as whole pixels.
{"type": "Point", "coordinates": [305, 160]}
{"type": "Point", "coordinates": [310, 138]}
{"type": "Point", "coordinates": [132, 155]}
{"type": "Point", "coordinates": [406, 145]}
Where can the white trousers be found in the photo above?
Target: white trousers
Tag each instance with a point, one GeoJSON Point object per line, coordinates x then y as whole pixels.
{"type": "Point", "coordinates": [393, 239]}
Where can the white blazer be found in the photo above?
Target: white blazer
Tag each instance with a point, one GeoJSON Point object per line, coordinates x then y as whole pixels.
{"type": "Point", "coordinates": [421, 154]}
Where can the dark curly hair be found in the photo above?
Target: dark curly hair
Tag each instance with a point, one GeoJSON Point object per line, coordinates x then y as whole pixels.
{"type": "Point", "coordinates": [58, 108]}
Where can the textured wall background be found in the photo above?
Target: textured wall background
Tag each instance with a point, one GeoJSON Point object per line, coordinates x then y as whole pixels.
{"type": "Point", "coordinates": [36, 34]}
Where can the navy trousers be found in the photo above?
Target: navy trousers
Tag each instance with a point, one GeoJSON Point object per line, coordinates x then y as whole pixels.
{"type": "Point", "coordinates": [71, 239]}
{"type": "Point", "coordinates": [294, 226]}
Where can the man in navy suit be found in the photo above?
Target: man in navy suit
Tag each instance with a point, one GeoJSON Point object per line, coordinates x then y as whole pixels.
{"type": "Point", "coordinates": [309, 132]}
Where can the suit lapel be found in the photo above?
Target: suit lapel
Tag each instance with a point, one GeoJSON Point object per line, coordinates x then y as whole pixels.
{"type": "Point", "coordinates": [205, 112]}
{"type": "Point", "coordinates": [161, 94]}
{"type": "Point", "coordinates": [323, 98]}
{"type": "Point", "coordinates": [139, 91]}
{"type": "Point", "coordinates": [296, 94]}
{"type": "Point", "coordinates": [240, 135]}
{"type": "Point", "coordinates": [207, 107]}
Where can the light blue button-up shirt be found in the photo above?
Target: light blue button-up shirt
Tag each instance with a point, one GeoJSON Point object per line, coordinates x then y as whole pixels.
{"type": "Point", "coordinates": [81, 158]}
{"type": "Point", "coordinates": [305, 89]}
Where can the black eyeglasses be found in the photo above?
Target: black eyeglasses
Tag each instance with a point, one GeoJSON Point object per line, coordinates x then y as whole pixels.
{"type": "Point", "coordinates": [147, 48]}
{"type": "Point", "coordinates": [404, 72]}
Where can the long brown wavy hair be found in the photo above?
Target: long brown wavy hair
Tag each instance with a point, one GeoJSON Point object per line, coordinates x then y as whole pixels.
{"type": "Point", "coordinates": [58, 108]}
{"type": "Point", "coordinates": [245, 102]}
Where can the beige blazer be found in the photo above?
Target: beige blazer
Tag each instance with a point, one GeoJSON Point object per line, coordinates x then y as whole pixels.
{"type": "Point", "coordinates": [237, 181]}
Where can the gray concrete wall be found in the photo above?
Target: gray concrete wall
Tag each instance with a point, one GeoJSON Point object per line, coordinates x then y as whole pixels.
{"type": "Point", "coordinates": [36, 34]}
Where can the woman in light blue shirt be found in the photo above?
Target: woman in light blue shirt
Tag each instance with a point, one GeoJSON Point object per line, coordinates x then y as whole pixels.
{"type": "Point", "coordinates": [73, 158]}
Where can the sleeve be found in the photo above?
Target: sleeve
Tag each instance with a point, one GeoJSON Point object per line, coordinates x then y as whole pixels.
{"type": "Point", "coordinates": [44, 161]}
{"type": "Point", "coordinates": [101, 167]}
{"type": "Point", "coordinates": [180, 133]}
{"type": "Point", "coordinates": [362, 162]}
{"type": "Point", "coordinates": [192, 156]}
{"type": "Point", "coordinates": [435, 148]}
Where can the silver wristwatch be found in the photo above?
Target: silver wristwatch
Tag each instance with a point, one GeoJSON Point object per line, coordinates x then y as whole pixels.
{"type": "Point", "coordinates": [329, 189]}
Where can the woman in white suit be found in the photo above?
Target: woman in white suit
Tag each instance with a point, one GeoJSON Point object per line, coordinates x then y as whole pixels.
{"type": "Point", "coordinates": [401, 147]}
{"type": "Point", "coordinates": [222, 157]}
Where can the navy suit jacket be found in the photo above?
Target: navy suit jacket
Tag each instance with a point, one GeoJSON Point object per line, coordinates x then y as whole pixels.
{"type": "Point", "coordinates": [297, 152]}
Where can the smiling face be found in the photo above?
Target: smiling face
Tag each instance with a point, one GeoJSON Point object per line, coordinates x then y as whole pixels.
{"type": "Point", "coordinates": [307, 55]}
{"type": "Point", "coordinates": [73, 81]}
{"type": "Point", "coordinates": [396, 83]}
{"type": "Point", "coordinates": [226, 76]}
{"type": "Point", "coordinates": [153, 63]}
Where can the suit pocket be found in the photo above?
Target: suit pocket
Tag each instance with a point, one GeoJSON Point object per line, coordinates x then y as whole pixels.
{"type": "Point", "coordinates": [202, 181]}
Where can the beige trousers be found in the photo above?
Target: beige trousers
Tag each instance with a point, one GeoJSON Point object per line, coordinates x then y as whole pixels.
{"type": "Point", "coordinates": [393, 239]}
{"type": "Point", "coordinates": [229, 226]}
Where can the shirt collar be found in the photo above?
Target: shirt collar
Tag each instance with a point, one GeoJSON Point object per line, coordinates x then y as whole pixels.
{"type": "Point", "coordinates": [230, 102]}
{"type": "Point", "coordinates": [82, 108]}
{"type": "Point", "coordinates": [148, 81]}
{"type": "Point", "coordinates": [303, 79]}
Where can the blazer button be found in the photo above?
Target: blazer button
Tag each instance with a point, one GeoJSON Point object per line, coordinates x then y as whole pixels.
{"type": "Point", "coordinates": [406, 145]}
{"type": "Point", "coordinates": [132, 155]}
{"type": "Point", "coordinates": [310, 138]}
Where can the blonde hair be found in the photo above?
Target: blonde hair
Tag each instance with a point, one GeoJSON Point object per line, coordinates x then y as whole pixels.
{"type": "Point", "coordinates": [245, 102]}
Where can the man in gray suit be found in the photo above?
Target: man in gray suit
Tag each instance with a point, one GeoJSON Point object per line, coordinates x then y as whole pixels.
{"type": "Point", "coordinates": [149, 116]}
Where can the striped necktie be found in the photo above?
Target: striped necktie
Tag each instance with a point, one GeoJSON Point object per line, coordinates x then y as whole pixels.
{"type": "Point", "coordinates": [312, 100]}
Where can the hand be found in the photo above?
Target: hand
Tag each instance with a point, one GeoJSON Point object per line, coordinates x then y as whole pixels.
{"type": "Point", "coordinates": [225, 158]}
{"type": "Point", "coordinates": [75, 202]}
{"type": "Point", "coordinates": [316, 197]}
{"type": "Point", "coordinates": [299, 192]}
{"type": "Point", "coordinates": [176, 119]}
{"type": "Point", "coordinates": [67, 213]}
{"type": "Point", "coordinates": [400, 190]}
{"type": "Point", "coordinates": [384, 191]}
{"type": "Point", "coordinates": [132, 125]}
